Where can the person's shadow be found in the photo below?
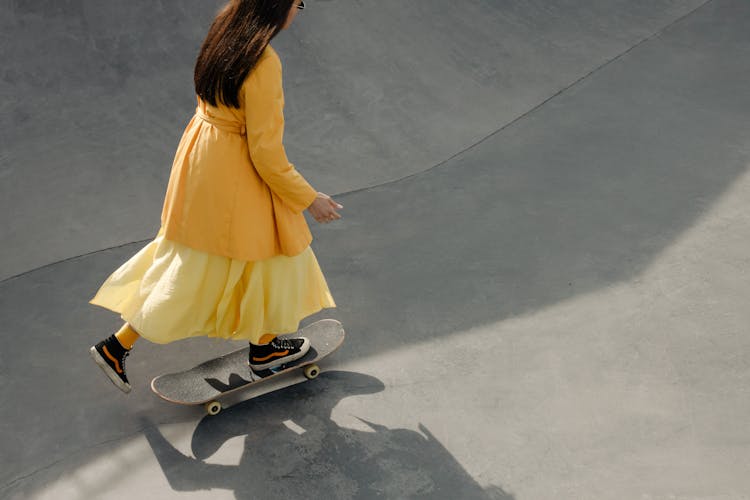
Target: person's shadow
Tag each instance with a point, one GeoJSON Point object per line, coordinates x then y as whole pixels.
{"type": "Point", "coordinates": [293, 449]}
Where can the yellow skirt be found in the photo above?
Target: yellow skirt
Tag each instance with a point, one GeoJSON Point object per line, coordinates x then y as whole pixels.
{"type": "Point", "coordinates": [168, 292]}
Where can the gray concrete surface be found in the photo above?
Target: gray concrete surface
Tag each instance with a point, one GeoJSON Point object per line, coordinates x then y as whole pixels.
{"type": "Point", "coordinates": [559, 311]}
{"type": "Point", "coordinates": [375, 91]}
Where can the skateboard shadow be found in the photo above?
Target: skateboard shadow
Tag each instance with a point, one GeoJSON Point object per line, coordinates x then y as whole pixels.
{"type": "Point", "coordinates": [316, 458]}
{"type": "Point", "coordinates": [235, 381]}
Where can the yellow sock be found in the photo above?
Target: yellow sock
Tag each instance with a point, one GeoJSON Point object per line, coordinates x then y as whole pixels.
{"type": "Point", "coordinates": [126, 336]}
{"type": "Point", "coordinates": [267, 338]}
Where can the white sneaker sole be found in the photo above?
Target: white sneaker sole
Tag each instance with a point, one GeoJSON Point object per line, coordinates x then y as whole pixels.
{"type": "Point", "coordinates": [109, 371]}
{"type": "Point", "coordinates": [281, 361]}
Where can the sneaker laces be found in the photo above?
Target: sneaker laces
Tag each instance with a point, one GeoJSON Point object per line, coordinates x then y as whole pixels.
{"type": "Point", "coordinates": [283, 344]}
{"type": "Point", "coordinates": [125, 354]}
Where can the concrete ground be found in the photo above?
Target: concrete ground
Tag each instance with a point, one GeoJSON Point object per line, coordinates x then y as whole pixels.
{"type": "Point", "coordinates": [543, 265]}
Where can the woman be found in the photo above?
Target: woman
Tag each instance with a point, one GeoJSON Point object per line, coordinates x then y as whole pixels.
{"type": "Point", "coordinates": [232, 258]}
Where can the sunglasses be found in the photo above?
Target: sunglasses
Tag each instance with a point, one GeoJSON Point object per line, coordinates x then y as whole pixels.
{"type": "Point", "coordinates": [301, 5]}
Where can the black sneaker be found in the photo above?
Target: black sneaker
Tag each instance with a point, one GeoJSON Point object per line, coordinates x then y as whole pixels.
{"type": "Point", "coordinates": [110, 355]}
{"type": "Point", "coordinates": [278, 352]}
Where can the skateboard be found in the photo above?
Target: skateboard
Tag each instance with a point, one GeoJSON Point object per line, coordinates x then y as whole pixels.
{"type": "Point", "coordinates": [229, 374]}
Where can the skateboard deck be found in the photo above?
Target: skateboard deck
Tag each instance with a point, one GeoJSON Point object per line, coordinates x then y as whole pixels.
{"type": "Point", "coordinates": [218, 378]}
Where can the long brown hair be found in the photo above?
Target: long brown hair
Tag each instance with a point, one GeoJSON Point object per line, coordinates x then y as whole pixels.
{"type": "Point", "coordinates": [235, 41]}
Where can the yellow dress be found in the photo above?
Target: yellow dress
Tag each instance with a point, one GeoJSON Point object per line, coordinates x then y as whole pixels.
{"type": "Point", "coordinates": [232, 258]}
{"type": "Point", "coordinates": [232, 190]}
{"type": "Point", "coordinates": [168, 292]}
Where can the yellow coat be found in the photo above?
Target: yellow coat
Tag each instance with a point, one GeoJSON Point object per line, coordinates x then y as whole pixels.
{"type": "Point", "coordinates": [232, 190]}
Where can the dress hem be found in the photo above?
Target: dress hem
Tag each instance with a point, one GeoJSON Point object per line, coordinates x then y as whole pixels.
{"type": "Point", "coordinates": [212, 335]}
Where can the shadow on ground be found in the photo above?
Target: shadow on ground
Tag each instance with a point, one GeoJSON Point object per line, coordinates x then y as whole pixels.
{"type": "Point", "coordinates": [584, 193]}
{"type": "Point", "coordinates": [375, 91]}
{"type": "Point", "coordinates": [314, 457]}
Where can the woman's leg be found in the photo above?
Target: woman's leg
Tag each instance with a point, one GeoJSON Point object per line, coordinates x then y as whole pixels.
{"type": "Point", "coordinates": [127, 336]}
{"type": "Point", "coordinates": [267, 338]}
{"type": "Point", "coordinates": [111, 352]}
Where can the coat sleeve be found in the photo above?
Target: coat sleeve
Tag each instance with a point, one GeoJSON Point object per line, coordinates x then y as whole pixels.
{"type": "Point", "coordinates": [264, 120]}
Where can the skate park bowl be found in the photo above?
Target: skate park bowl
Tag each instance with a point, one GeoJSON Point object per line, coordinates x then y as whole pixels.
{"type": "Point", "coordinates": [542, 265]}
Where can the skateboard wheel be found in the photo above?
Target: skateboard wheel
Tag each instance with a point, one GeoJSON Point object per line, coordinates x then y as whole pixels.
{"type": "Point", "coordinates": [312, 371]}
{"type": "Point", "coordinates": [213, 407]}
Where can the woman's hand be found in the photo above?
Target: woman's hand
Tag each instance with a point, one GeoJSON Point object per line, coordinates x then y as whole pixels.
{"type": "Point", "coordinates": [323, 209]}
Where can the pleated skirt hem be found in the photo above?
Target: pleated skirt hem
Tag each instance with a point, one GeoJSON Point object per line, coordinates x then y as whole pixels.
{"type": "Point", "coordinates": [169, 292]}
